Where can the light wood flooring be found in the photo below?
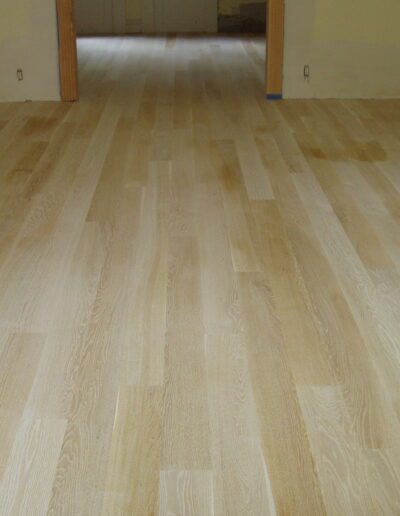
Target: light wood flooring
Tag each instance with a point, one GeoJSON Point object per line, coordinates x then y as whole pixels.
{"type": "Point", "coordinates": [199, 292]}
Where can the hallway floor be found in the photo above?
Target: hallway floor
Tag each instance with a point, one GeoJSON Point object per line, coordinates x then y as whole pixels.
{"type": "Point", "coordinates": [199, 292]}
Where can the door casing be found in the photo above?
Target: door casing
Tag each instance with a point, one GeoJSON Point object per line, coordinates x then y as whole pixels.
{"type": "Point", "coordinates": [68, 62]}
{"type": "Point", "coordinates": [274, 49]}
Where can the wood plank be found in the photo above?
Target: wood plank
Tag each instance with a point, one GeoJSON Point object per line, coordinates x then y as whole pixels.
{"type": "Point", "coordinates": [135, 453]}
{"type": "Point", "coordinates": [241, 480]}
{"type": "Point", "coordinates": [19, 358]}
{"type": "Point", "coordinates": [353, 480]}
{"type": "Point", "coordinates": [272, 381]}
{"type": "Point", "coordinates": [28, 479]}
{"type": "Point", "coordinates": [186, 492]}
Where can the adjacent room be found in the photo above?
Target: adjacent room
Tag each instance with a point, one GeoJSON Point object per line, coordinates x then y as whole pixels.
{"type": "Point", "coordinates": [199, 257]}
{"type": "Point", "coordinates": [203, 51]}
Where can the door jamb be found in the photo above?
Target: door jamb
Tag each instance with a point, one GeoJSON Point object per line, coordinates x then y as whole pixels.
{"type": "Point", "coordinates": [274, 50]}
{"type": "Point", "coordinates": [67, 52]}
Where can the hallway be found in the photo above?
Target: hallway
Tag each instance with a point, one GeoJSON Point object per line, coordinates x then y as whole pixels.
{"type": "Point", "coordinates": [199, 292]}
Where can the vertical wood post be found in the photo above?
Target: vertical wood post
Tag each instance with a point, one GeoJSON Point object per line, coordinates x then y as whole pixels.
{"type": "Point", "coordinates": [275, 41]}
{"type": "Point", "coordinates": [67, 50]}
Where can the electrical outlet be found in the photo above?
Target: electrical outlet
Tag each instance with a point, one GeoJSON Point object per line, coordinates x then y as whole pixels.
{"type": "Point", "coordinates": [306, 71]}
{"type": "Point", "coordinates": [20, 74]}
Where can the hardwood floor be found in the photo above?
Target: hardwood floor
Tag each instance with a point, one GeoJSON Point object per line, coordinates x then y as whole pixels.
{"type": "Point", "coordinates": [199, 292]}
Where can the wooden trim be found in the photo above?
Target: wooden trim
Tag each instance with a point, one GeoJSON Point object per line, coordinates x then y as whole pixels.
{"type": "Point", "coordinates": [67, 50]}
{"type": "Point", "coordinates": [274, 59]}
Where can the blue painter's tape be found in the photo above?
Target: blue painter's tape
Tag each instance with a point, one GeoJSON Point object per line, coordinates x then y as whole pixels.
{"type": "Point", "coordinates": [273, 96]}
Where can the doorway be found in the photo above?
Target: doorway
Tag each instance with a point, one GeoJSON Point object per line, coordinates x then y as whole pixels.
{"type": "Point", "coordinates": [68, 32]}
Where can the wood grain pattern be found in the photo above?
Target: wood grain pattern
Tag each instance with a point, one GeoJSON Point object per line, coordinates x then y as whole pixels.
{"type": "Point", "coordinates": [274, 61]}
{"type": "Point", "coordinates": [67, 50]}
{"type": "Point", "coordinates": [133, 471]}
{"type": "Point", "coordinates": [199, 292]}
{"type": "Point", "coordinates": [186, 492]}
{"type": "Point", "coordinates": [27, 481]}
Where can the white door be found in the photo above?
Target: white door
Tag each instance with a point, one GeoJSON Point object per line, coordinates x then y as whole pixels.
{"type": "Point", "coordinates": [180, 15]}
{"type": "Point", "coordinates": [100, 16]}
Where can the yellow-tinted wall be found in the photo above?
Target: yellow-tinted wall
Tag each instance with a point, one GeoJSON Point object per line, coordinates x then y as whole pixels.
{"type": "Point", "coordinates": [28, 40]}
{"type": "Point", "coordinates": [352, 47]}
{"type": "Point", "coordinates": [233, 6]}
{"type": "Point", "coordinates": [135, 10]}
{"type": "Point", "coordinates": [134, 14]}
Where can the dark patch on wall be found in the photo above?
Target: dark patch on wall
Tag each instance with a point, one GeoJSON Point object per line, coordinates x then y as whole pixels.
{"type": "Point", "coordinates": [251, 18]}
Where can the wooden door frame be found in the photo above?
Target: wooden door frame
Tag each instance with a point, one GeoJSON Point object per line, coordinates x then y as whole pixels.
{"type": "Point", "coordinates": [67, 52]}
{"type": "Point", "coordinates": [274, 50]}
{"type": "Point", "coordinates": [69, 63]}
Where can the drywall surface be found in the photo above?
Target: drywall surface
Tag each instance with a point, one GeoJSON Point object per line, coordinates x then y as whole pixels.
{"type": "Point", "coordinates": [195, 15]}
{"type": "Point", "coordinates": [242, 16]}
{"type": "Point", "coordinates": [352, 48]}
{"type": "Point", "coordinates": [28, 41]}
{"type": "Point", "coordinates": [94, 16]}
{"type": "Point", "coordinates": [136, 16]}
{"type": "Point", "coordinates": [100, 16]}
{"type": "Point", "coordinates": [186, 15]}
{"type": "Point", "coordinates": [171, 16]}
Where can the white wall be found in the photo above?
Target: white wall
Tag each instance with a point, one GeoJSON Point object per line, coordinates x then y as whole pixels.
{"type": "Point", "coordinates": [28, 40]}
{"type": "Point", "coordinates": [352, 47]}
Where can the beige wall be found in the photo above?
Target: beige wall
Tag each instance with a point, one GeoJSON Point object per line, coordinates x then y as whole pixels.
{"type": "Point", "coordinates": [100, 16]}
{"type": "Point", "coordinates": [175, 15]}
{"type": "Point", "coordinates": [138, 11]}
{"type": "Point", "coordinates": [233, 6]}
{"type": "Point", "coordinates": [352, 47]}
{"type": "Point", "coordinates": [28, 40]}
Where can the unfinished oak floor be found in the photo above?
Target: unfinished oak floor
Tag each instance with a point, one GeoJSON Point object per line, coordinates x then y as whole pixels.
{"type": "Point", "coordinates": [199, 292]}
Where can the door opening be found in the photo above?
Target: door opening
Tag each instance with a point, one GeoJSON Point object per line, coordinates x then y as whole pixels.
{"type": "Point", "coordinates": [68, 51]}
